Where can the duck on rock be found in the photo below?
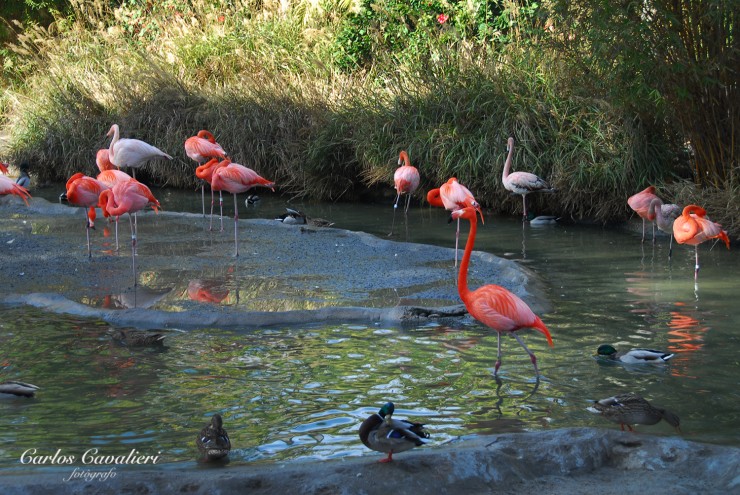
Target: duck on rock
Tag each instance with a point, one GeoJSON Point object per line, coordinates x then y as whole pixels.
{"type": "Point", "coordinates": [631, 409]}
{"type": "Point", "coordinates": [381, 433]}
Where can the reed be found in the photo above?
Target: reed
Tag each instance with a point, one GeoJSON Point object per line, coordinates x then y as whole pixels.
{"type": "Point", "coordinates": [315, 128]}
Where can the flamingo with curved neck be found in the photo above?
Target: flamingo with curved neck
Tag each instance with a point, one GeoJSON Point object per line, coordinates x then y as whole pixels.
{"type": "Point", "coordinates": [493, 305]}
{"type": "Point", "coordinates": [128, 197]}
{"type": "Point", "coordinates": [406, 179]}
{"type": "Point", "coordinates": [640, 204]}
{"type": "Point", "coordinates": [132, 153]}
{"type": "Point", "coordinates": [521, 183]}
{"type": "Point", "coordinates": [203, 147]}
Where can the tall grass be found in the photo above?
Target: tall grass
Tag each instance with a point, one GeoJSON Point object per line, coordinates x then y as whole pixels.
{"type": "Point", "coordinates": [316, 130]}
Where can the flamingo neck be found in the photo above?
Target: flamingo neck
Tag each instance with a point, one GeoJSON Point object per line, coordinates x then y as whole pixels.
{"type": "Point", "coordinates": [116, 135]}
{"type": "Point", "coordinates": [462, 277]}
{"type": "Point", "coordinates": [507, 163]}
{"type": "Point", "coordinates": [655, 211]}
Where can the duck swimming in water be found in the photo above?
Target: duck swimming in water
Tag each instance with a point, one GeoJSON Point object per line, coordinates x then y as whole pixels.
{"type": "Point", "coordinates": [213, 441]}
{"type": "Point", "coordinates": [17, 389]}
{"type": "Point", "coordinates": [634, 356]}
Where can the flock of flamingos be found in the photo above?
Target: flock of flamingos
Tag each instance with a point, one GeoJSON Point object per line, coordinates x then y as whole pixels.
{"type": "Point", "coordinates": [117, 193]}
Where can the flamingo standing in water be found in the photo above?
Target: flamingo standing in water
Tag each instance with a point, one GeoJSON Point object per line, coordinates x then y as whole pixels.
{"type": "Point", "coordinates": [453, 196]}
{"type": "Point", "coordinates": [521, 182]}
{"type": "Point", "coordinates": [7, 186]}
{"type": "Point", "coordinates": [640, 203]}
{"type": "Point", "coordinates": [664, 216]}
{"type": "Point", "coordinates": [205, 172]}
{"type": "Point", "coordinates": [202, 148]}
{"type": "Point", "coordinates": [84, 191]}
{"type": "Point", "coordinates": [128, 197]}
{"type": "Point", "coordinates": [693, 228]}
{"type": "Point", "coordinates": [109, 175]}
{"type": "Point", "coordinates": [406, 179]}
{"type": "Point", "coordinates": [236, 178]}
{"type": "Point", "coordinates": [493, 305]}
{"type": "Point", "coordinates": [131, 153]}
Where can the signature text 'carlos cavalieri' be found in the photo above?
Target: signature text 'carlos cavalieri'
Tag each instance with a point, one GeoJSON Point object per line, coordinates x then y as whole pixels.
{"type": "Point", "coordinates": [90, 456]}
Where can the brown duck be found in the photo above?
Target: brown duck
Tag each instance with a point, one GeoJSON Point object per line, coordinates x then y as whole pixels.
{"type": "Point", "coordinates": [17, 389]}
{"type": "Point", "coordinates": [213, 441]}
{"type": "Point", "coordinates": [630, 409]}
{"type": "Point", "coordinates": [137, 338]}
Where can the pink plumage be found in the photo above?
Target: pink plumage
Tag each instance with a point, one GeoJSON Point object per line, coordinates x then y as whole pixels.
{"type": "Point", "coordinates": [7, 186]}
{"type": "Point", "coordinates": [203, 147]}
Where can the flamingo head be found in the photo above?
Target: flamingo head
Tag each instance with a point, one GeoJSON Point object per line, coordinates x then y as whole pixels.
{"type": "Point", "coordinates": [206, 135]}
{"type": "Point", "coordinates": [509, 143]}
{"type": "Point", "coordinates": [113, 129]}
{"type": "Point", "coordinates": [467, 213]}
{"type": "Point", "coordinates": [694, 209]}
{"type": "Point", "coordinates": [403, 158]}
{"type": "Point", "coordinates": [434, 198]}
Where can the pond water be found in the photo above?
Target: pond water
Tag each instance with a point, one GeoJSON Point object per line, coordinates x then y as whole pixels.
{"type": "Point", "coordinates": [301, 392]}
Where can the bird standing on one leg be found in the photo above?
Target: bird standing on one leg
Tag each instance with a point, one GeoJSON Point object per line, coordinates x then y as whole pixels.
{"type": "Point", "coordinates": [521, 182]}
{"type": "Point", "coordinates": [693, 228]}
{"type": "Point", "coordinates": [640, 204]}
{"type": "Point", "coordinates": [381, 433]}
{"type": "Point", "coordinates": [202, 148]}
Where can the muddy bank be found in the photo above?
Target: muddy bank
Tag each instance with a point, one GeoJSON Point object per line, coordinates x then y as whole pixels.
{"type": "Point", "coordinates": [566, 461]}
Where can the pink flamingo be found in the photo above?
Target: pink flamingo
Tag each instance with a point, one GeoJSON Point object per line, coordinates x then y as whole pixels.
{"type": "Point", "coordinates": [693, 228]}
{"type": "Point", "coordinates": [131, 153]}
{"type": "Point", "coordinates": [4, 168]}
{"type": "Point", "coordinates": [109, 175]}
{"type": "Point", "coordinates": [205, 172]}
{"type": "Point", "coordinates": [406, 179]}
{"type": "Point", "coordinates": [521, 182]}
{"type": "Point", "coordinates": [128, 197]}
{"type": "Point", "coordinates": [640, 203]}
{"type": "Point", "coordinates": [664, 216]}
{"type": "Point", "coordinates": [202, 148]}
{"type": "Point", "coordinates": [7, 186]}
{"type": "Point", "coordinates": [453, 196]}
{"type": "Point", "coordinates": [493, 305]}
{"type": "Point", "coordinates": [236, 178]}
{"type": "Point", "coordinates": [84, 191]}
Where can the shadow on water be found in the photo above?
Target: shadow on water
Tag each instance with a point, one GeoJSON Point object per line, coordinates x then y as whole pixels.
{"type": "Point", "coordinates": [301, 392]}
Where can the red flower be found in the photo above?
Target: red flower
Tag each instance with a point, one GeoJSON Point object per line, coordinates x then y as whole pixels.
{"type": "Point", "coordinates": [442, 18]}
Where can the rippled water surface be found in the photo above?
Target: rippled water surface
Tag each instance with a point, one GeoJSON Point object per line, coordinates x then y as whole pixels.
{"type": "Point", "coordinates": [301, 392]}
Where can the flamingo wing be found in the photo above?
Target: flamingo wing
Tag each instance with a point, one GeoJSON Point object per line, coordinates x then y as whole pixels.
{"type": "Point", "coordinates": [7, 186]}
{"type": "Point", "coordinates": [134, 152]}
{"type": "Point", "coordinates": [406, 179]}
{"type": "Point", "coordinates": [200, 149]}
{"type": "Point", "coordinates": [525, 182]}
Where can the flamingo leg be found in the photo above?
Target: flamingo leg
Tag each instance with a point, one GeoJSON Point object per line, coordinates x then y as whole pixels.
{"type": "Point", "coordinates": [212, 201]}
{"type": "Point", "coordinates": [87, 231]}
{"type": "Point", "coordinates": [221, 205]}
{"type": "Point", "coordinates": [408, 203]}
{"type": "Point", "coordinates": [498, 356]}
{"type": "Point", "coordinates": [116, 234]}
{"type": "Point", "coordinates": [457, 240]}
{"type": "Point", "coordinates": [653, 233]}
{"type": "Point", "coordinates": [696, 266]}
{"type": "Point", "coordinates": [133, 248]}
{"type": "Point", "coordinates": [203, 198]}
{"type": "Point", "coordinates": [643, 230]}
{"type": "Point", "coordinates": [236, 228]}
{"type": "Point", "coordinates": [532, 357]}
{"type": "Point", "coordinates": [524, 206]}
{"type": "Point", "coordinates": [670, 248]}
{"type": "Point", "coordinates": [393, 223]}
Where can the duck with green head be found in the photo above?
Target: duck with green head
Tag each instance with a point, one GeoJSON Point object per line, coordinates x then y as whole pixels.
{"type": "Point", "coordinates": [634, 356]}
{"type": "Point", "coordinates": [631, 409]}
{"type": "Point", "coordinates": [381, 433]}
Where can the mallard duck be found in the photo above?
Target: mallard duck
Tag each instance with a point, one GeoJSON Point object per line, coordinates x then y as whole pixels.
{"type": "Point", "coordinates": [634, 356]}
{"type": "Point", "coordinates": [629, 409]}
{"type": "Point", "coordinates": [137, 338]}
{"type": "Point", "coordinates": [382, 433]}
{"type": "Point", "coordinates": [295, 217]}
{"type": "Point", "coordinates": [213, 441]}
{"type": "Point", "coordinates": [17, 389]}
{"type": "Point", "coordinates": [252, 200]}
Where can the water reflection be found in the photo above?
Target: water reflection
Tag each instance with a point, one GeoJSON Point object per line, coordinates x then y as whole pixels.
{"type": "Point", "coordinates": [302, 392]}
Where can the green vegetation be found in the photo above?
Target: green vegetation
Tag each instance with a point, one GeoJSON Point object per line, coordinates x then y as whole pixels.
{"type": "Point", "coordinates": [320, 95]}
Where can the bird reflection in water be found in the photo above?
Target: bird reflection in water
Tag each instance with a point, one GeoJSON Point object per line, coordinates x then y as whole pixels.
{"type": "Point", "coordinates": [210, 291]}
{"type": "Point", "coordinates": [686, 335]}
{"type": "Point", "coordinates": [138, 297]}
